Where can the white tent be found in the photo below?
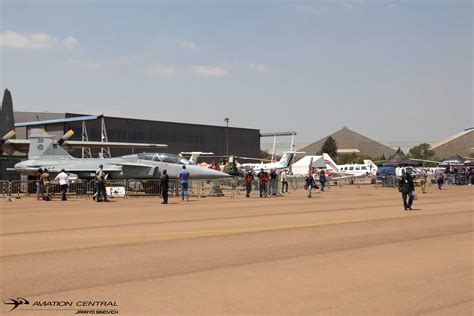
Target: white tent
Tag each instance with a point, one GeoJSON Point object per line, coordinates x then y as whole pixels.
{"type": "Point", "coordinates": [301, 167]}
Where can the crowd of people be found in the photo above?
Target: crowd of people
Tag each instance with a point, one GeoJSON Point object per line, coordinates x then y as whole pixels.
{"type": "Point", "coordinates": [267, 183]}
{"type": "Point", "coordinates": [313, 178]}
{"type": "Point", "coordinates": [43, 184]}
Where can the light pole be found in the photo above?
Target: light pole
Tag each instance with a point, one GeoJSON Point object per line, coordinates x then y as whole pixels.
{"type": "Point", "coordinates": [226, 120]}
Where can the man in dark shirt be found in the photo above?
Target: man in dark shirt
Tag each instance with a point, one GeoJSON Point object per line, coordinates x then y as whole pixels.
{"type": "Point", "coordinates": [273, 182]}
{"type": "Point", "coordinates": [262, 182]}
{"type": "Point", "coordinates": [248, 182]}
{"type": "Point", "coordinates": [164, 185]}
{"type": "Point", "coordinates": [406, 187]}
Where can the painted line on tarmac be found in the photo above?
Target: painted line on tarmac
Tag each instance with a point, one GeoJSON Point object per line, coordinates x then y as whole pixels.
{"type": "Point", "coordinates": [197, 234]}
{"type": "Point", "coordinates": [232, 230]}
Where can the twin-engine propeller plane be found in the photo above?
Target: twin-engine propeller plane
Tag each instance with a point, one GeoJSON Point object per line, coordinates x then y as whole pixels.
{"type": "Point", "coordinates": [10, 145]}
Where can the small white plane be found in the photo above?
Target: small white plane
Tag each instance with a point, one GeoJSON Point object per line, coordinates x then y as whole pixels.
{"type": "Point", "coordinates": [194, 156]}
{"type": "Point", "coordinates": [367, 169]}
{"type": "Point", "coordinates": [279, 166]}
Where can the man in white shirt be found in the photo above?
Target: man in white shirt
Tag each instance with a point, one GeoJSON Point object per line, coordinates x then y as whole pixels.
{"type": "Point", "coordinates": [63, 179]}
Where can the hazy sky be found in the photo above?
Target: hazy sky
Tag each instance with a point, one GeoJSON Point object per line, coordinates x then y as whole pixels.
{"type": "Point", "coordinates": [392, 70]}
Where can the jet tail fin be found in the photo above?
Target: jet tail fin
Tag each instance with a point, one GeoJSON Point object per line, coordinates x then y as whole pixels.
{"type": "Point", "coordinates": [7, 121]}
{"type": "Point", "coordinates": [42, 144]}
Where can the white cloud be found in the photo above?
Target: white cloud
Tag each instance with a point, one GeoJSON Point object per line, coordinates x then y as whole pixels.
{"type": "Point", "coordinates": [257, 67]}
{"type": "Point", "coordinates": [70, 42]}
{"type": "Point", "coordinates": [34, 41]}
{"type": "Point", "coordinates": [188, 44]}
{"type": "Point", "coordinates": [208, 71]}
{"type": "Point", "coordinates": [84, 64]}
{"type": "Point", "coordinates": [162, 71]}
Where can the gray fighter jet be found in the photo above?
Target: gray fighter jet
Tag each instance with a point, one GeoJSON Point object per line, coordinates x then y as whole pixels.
{"type": "Point", "coordinates": [44, 152]}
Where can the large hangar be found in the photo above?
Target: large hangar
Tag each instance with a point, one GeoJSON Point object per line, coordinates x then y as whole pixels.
{"type": "Point", "coordinates": [178, 136]}
{"type": "Point", "coordinates": [349, 141]}
{"type": "Point", "coordinates": [461, 143]}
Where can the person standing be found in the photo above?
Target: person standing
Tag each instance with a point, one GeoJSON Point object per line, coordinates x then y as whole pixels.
{"type": "Point", "coordinates": [309, 183]}
{"type": "Point", "coordinates": [322, 180]}
{"type": "Point", "coordinates": [248, 182]}
{"type": "Point", "coordinates": [39, 185]}
{"type": "Point", "coordinates": [164, 186]}
{"type": "Point", "coordinates": [63, 179]}
{"type": "Point", "coordinates": [101, 193]}
{"type": "Point", "coordinates": [46, 185]}
{"type": "Point", "coordinates": [262, 183]}
{"type": "Point", "coordinates": [183, 182]}
{"type": "Point", "coordinates": [439, 178]}
{"type": "Point", "coordinates": [423, 179]}
{"type": "Point", "coordinates": [284, 181]}
{"type": "Point", "coordinates": [273, 183]}
{"type": "Point", "coordinates": [406, 187]}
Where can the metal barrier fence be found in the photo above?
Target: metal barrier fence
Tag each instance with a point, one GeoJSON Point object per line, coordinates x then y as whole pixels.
{"type": "Point", "coordinates": [229, 187]}
{"type": "Point", "coordinates": [5, 189]}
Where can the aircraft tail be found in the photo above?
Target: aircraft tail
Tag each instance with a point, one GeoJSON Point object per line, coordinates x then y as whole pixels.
{"type": "Point", "coordinates": [330, 164]}
{"type": "Point", "coordinates": [287, 158]}
{"type": "Point", "coordinates": [43, 145]}
{"type": "Point", "coordinates": [373, 167]}
{"type": "Point", "coordinates": [7, 121]}
{"type": "Point", "coordinates": [195, 156]}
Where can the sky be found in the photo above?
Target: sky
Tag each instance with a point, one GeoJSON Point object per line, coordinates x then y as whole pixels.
{"type": "Point", "coordinates": [395, 71]}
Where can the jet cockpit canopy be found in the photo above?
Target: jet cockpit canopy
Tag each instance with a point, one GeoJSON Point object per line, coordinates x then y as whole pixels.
{"type": "Point", "coordinates": [164, 157]}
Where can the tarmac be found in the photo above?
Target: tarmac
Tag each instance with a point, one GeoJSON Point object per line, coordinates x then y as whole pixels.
{"type": "Point", "coordinates": [349, 251]}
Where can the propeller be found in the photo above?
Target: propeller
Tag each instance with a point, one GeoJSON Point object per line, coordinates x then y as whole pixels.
{"type": "Point", "coordinates": [7, 136]}
{"type": "Point", "coordinates": [65, 137]}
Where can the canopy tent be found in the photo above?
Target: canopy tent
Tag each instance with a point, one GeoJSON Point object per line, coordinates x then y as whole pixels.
{"type": "Point", "coordinates": [400, 160]}
{"type": "Point", "coordinates": [455, 160]}
{"type": "Point", "coordinates": [302, 166]}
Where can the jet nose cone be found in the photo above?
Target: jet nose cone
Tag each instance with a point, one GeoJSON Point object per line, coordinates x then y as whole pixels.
{"type": "Point", "coordinates": [218, 174]}
{"type": "Point", "coordinates": [198, 172]}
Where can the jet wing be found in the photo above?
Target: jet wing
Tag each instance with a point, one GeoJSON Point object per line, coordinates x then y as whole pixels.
{"type": "Point", "coordinates": [139, 169]}
{"type": "Point", "coordinates": [92, 144]}
{"type": "Point", "coordinates": [133, 164]}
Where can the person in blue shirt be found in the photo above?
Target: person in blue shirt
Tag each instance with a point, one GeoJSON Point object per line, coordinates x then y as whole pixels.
{"type": "Point", "coordinates": [309, 183]}
{"type": "Point", "coordinates": [183, 182]}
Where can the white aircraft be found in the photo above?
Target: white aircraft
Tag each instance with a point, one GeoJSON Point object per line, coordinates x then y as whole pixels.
{"type": "Point", "coordinates": [279, 166]}
{"type": "Point", "coordinates": [367, 169]}
{"type": "Point", "coordinates": [194, 156]}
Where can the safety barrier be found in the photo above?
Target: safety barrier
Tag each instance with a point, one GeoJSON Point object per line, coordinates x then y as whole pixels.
{"type": "Point", "coordinates": [229, 187]}
{"type": "Point", "coordinates": [5, 189]}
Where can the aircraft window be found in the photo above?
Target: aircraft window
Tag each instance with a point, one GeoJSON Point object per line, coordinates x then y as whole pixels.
{"type": "Point", "coordinates": [351, 168]}
{"type": "Point", "coordinates": [183, 161]}
{"type": "Point", "coordinates": [364, 168]}
{"type": "Point", "coordinates": [146, 156]}
{"type": "Point", "coordinates": [357, 168]}
{"type": "Point", "coordinates": [170, 158]}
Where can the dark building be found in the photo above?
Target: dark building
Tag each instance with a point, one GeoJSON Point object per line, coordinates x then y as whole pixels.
{"type": "Point", "coordinates": [178, 136]}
